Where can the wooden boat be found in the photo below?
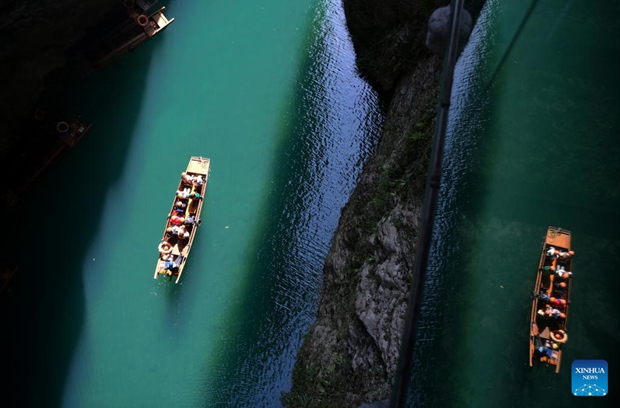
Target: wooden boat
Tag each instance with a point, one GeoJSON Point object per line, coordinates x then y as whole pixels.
{"type": "Point", "coordinates": [141, 6]}
{"type": "Point", "coordinates": [550, 299]}
{"type": "Point", "coordinates": [183, 220]}
{"type": "Point", "coordinates": [120, 35]}
{"type": "Point", "coordinates": [69, 134]}
{"type": "Point", "coordinates": [28, 164]}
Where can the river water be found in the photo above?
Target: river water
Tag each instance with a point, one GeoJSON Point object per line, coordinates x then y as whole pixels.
{"type": "Point", "coordinates": [533, 142]}
{"type": "Point", "coordinates": [268, 90]}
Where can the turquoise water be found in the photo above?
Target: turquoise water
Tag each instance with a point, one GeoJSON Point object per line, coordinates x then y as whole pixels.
{"type": "Point", "coordinates": [533, 142]}
{"type": "Point", "coordinates": [269, 92]}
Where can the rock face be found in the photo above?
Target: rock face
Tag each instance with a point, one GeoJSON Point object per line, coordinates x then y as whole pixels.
{"type": "Point", "coordinates": [350, 354]}
{"type": "Point", "coordinates": [440, 27]}
{"type": "Point", "coordinates": [388, 37]}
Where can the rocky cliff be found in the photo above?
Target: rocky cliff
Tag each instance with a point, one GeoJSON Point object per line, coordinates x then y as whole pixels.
{"type": "Point", "coordinates": [349, 355]}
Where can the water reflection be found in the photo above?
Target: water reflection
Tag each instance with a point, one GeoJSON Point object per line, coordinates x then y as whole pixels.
{"type": "Point", "coordinates": [334, 124]}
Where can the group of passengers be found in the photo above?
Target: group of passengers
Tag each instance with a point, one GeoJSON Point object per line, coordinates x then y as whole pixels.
{"type": "Point", "coordinates": [180, 220]}
{"type": "Point", "coordinates": [196, 181]}
{"type": "Point", "coordinates": [554, 298]}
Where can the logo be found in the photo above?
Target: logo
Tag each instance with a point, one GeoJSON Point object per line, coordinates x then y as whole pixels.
{"type": "Point", "coordinates": [589, 378]}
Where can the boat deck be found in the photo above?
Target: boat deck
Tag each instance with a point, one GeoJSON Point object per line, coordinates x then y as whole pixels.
{"type": "Point", "coordinates": [543, 325]}
{"type": "Point", "coordinates": [558, 238]}
{"type": "Point", "coordinates": [37, 153]}
{"type": "Point", "coordinates": [198, 165]}
{"type": "Point", "coordinates": [193, 202]}
{"type": "Point", "coordinates": [118, 36]}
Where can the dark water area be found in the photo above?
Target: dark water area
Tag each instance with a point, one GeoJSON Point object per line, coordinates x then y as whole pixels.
{"type": "Point", "coordinates": [43, 309]}
{"type": "Point", "coordinates": [253, 367]}
{"type": "Point", "coordinates": [532, 142]}
{"type": "Point", "coordinates": [287, 123]}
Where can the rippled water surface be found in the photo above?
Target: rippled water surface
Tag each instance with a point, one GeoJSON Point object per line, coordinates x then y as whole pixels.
{"type": "Point", "coordinates": [533, 142]}
{"type": "Point", "coordinates": [269, 92]}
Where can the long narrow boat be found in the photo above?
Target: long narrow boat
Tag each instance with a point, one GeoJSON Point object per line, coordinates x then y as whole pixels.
{"type": "Point", "coordinates": [183, 220]}
{"type": "Point", "coordinates": [550, 299]}
{"type": "Point", "coordinates": [119, 34]}
{"type": "Point", "coordinates": [29, 163]}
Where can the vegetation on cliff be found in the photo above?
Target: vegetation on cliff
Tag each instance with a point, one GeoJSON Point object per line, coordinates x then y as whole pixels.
{"type": "Point", "coordinates": [349, 355]}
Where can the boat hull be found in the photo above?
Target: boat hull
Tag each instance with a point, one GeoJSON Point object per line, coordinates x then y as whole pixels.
{"type": "Point", "coordinates": [183, 220]}
{"type": "Point", "coordinates": [550, 299]}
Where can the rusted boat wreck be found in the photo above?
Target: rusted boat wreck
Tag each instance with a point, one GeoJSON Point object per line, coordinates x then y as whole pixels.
{"type": "Point", "coordinates": [183, 220]}
{"type": "Point", "coordinates": [550, 299]}
{"type": "Point", "coordinates": [120, 34]}
{"type": "Point", "coordinates": [45, 146]}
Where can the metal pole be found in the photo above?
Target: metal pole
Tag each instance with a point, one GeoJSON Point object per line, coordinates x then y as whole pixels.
{"type": "Point", "coordinates": [403, 371]}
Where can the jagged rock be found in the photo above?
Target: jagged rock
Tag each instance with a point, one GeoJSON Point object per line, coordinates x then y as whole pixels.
{"type": "Point", "coordinates": [440, 27]}
{"type": "Point", "coordinates": [367, 274]}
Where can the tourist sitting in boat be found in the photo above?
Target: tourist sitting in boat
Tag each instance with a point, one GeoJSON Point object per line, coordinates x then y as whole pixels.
{"type": "Point", "coordinates": [183, 233]}
{"type": "Point", "coordinates": [194, 196]}
{"type": "Point", "coordinates": [564, 256]}
{"type": "Point", "coordinates": [198, 181]}
{"type": "Point", "coordinates": [553, 312]}
{"type": "Point", "coordinates": [183, 194]}
{"type": "Point", "coordinates": [547, 349]}
{"type": "Point", "coordinates": [176, 220]}
{"type": "Point", "coordinates": [174, 230]}
{"type": "Point", "coordinates": [560, 336]}
{"type": "Point", "coordinates": [190, 220]}
{"type": "Point", "coordinates": [543, 296]}
{"type": "Point", "coordinates": [552, 252]}
{"type": "Point", "coordinates": [187, 179]}
{"type": "Point", "coordinates": [172, 265]}
{"type": "Point", "coordinates": [164, 248]}
{"type": "Point", "coordinates": [564, 274]}
{"type": "Point", "coordinates": [179, 207]}
{"type": "Point", "coordinates": [560, 288]}
{"type": "Point", "coordinates": [557, 302]}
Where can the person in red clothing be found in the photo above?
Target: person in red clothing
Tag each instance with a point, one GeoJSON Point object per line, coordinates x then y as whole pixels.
{"type": "Point", "coordinates": [176, 220]}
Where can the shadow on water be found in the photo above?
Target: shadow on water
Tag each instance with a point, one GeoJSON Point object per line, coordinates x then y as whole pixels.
{"type": "Point", "coordinates": [502, 201]}
{"type": "Point", "coordinates": [174, 297]}
{"type": "Point", "coordinates": [269, 259]}
{"type": "Point", "coordinates": [58, 221]}
{"type": "Point", "coordinates": [280, 294]}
